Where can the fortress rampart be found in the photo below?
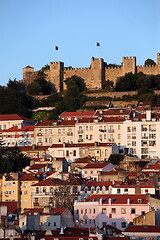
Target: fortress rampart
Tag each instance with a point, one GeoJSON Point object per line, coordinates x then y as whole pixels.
{"type": "Point", "coordinates": [94, 76]}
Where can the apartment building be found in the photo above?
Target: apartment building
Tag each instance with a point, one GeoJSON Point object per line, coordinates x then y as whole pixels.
{"type": "Point", "coordinates": [118, 211]}
{"type": "Point", "coordinates": [11, 120]}
{"type": "Point", "coordinates": [98, 151]}
{"type": "Point", "coordinates": [48, 132]}
{"type": "Point", "coordinates": [26, 182]}
{"type": "Point", "coordinates": [141, 135]}
{"type": "Point", "coordinates": [15, 136]}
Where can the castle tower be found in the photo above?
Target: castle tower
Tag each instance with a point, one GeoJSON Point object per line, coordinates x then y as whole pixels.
{"type": "Point", "coordinates": [158, 59]}
{"type": "Point", "coordinates": [55, 75]}
{"type": "Point", "coordinates": [97, 73]}
{"type": "Point", "coordinates": [28, 74]}
{"type": "Point", "coordinates": [128, 65]}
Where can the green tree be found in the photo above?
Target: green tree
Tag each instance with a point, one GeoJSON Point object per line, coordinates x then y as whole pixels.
{"type": "Point", "coordinates": [40, 86]}
{"type": "Point", "coordinates": [126, 83]}
{"type": "Point", "coordinates": [149, 61]}
{"type": "Point", "coordinates": [12, 160]}
{"type": "Point", "coordinates": [115, 158]}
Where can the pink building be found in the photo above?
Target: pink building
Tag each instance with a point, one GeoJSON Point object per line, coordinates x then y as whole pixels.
{"type": "Point", "coordinates": [116, 210]}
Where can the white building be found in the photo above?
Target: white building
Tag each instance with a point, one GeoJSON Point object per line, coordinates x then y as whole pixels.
{"type": "Point", "coordinates": [141, 135]}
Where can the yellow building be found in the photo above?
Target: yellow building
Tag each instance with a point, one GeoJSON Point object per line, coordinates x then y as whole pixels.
{"type": "Point", "coordinates": [26, 182]}
{"type": "Point", "coordinates": [10, 187]}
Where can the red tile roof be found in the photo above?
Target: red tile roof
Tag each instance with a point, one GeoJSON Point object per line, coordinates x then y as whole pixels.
{"type": "Point", "coordinates": [77, 114]}
{"type": "Point", "coordinates": [16, 129]}
{"type": "Point", "coordinates": [100, 183]}
{"type": "Point", "coordinates": [53, 211]}
{"type": "Point", "coordinates": [46, 123]}
{"type": "Point", "coordinates": [28, 177]}
{"type": "Point", "coordinates": [30, 148]}
{"type": "Point", "coordinates": [96, 165]}
{"type": "Point", "coordinates": [37, 166]}
{"type": "Point", "coordinates": [82, 145]}
{"type": "Point", "coordinates": [83, 160]}
{"type": "Point", "coordinates": [12, 207]}
{"type": "Point", "coordinates": [144, 228]}
{"type": "Point", "coordinates": [10, 117]}
{"type": "Point", "coordinates": [118, 199]}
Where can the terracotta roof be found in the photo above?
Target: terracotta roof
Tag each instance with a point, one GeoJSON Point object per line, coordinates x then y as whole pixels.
{"type": "Point", "coordinates": [37, 166]}
{"type": "Point", "coordinates": [96, 165]}
{"type": "Point", "coordinates": [114, 112]}
{"type": "Point", "coordinates": [100, 183]}
{"type": "Point", "coordinates": [28, 177]}
{"type": "Point", "coordinates": [10, 117]}
{"type": "Point", "coordinates": [83, 160]}
{"type": "Point", "coordinates": [110, 173]}
{"type": "Point", "coordinates": [12, 207]}
{"type": "Point", "coordinates": [82, 145]}
{"type": "Point", "coordinates": [77, 114]}
{"type": "Point", "coordinates": [30, 148]}
{"type": "Point", "coordinates": [118, 199]}
{"type": "Point", "coordinates": [53, 211]}
{"type": "Point", "coordinates": [46, 123]}
{"type": "Point", "coordinates": [16, 129]}
{"type": "Point", "coordinates": [144, 228]}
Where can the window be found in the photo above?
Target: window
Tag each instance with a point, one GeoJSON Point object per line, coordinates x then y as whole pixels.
{"type": "Point", "coordinates": [123, 224]}
{"type": "Point", "coordinates": [118, 190]}
{"type": "Point", "coordinates": [74, 153]}
{"type": "Point", "coordinates": [133, 210]}
{"type": "Point", "coordinates": [114, 224]}
{"type": "Point", "coordinates": [143, 212]}
{"type": "Point", "coordinates": [85, 210]}
{"type": "Point", "coordinates": [119, 136]}
{"type": "Point", "coordinates": [119, 127]}
{"type": "Point", "coordinates": [25, 192]}
{"type": "Point", "coordinates": [91, 128]}
{"type": "Point", "coordinates": [67, 153]}
{"type": "Point", "coordinates": [123, 210]}
{"type": "Point", "coordinates": [104, 224]}
{"type": "Point", "coordinates": [59, 131]}
{"type": "Point", "coordinates": [86, 136]}
{"type": "Point", "coordinates": [54, 224]}
{"type": "Point", "coordinates": [133, 143]}
{"type": "Point", "coordinates": [103, 210]}
{"type": "Point", "coordinates": [81, 211]}
{"type": "Point", "coordinates": [113, 210]}
{"type": "Point", "coordinates": [94, 210]}
{"type": "Point", "coordinates": [86, 128]}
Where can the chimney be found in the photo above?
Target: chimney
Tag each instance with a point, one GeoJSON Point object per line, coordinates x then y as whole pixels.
{"type": "Point", "coordinates": [148, 115]}
{"type": "Point", "coordinates": [109, 201]}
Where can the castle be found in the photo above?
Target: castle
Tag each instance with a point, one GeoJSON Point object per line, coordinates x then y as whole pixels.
{"type": "Point", "coordinates": [94, 76]}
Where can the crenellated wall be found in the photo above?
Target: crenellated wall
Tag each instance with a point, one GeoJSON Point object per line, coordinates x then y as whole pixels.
{"type": "Point", "coordinates": [94, 76]}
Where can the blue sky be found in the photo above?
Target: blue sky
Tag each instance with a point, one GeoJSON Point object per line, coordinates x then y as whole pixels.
{"type": "Point", "coordinates": [29, 30]}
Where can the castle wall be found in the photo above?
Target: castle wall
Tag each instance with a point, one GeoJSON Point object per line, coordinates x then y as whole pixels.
{"type": "Point", "coordinates": [95, 76]}
{"type": "Point", "coordinates": [84, 73]}
{"type": "Point", "coordinates": [149, 70]}
{"type": "Point", "coordinates": [112, 73]}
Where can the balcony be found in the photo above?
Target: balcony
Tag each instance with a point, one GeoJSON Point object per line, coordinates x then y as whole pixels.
{"type": "Point", "coordinates": [80, 131]}
{"type": "Point", "coordinates": [111, 139]}
{"type": "Point", "coordinates": [39, 134]}
{"type": "Point", "coordinates": [111, 130]}
{"type": "Point", "coordinates": [69, 133]}
{"type": "Point", "coordinates": [36, 204]}
{"type": "Point", "coordinates": [42, 193]}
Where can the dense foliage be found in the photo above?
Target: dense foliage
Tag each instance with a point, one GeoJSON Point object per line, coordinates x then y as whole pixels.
{"type": "Point", "coordinates": [12, 160]}
{"type": "Point", "coordinates": [115, 158]}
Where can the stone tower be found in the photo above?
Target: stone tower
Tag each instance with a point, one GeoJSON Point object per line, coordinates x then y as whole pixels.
{"type": "Point", "coordinates": [55, 75]}
{"type": "Point", "coordinates": [97, 73]}
{"type": "Point", "coordinates": [128, 65]}
{"type": "Point", "coordinates": [28, 74]}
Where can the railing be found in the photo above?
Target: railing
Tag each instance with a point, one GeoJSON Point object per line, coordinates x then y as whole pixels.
{"type": "Point", "coordinates": [111, 130]}
{"type": "Point", "coordinates": [39, 134]}
{"type": "Point", "coordinates": [80, 131]}
{"type": "Point", "coordinates": [69, 133]}
{"type": "Point", "coordinates": [42, 193]}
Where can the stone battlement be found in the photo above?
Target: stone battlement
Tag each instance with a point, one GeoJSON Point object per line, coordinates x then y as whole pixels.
{"type": "Point", "coordinates": [94, 76]}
